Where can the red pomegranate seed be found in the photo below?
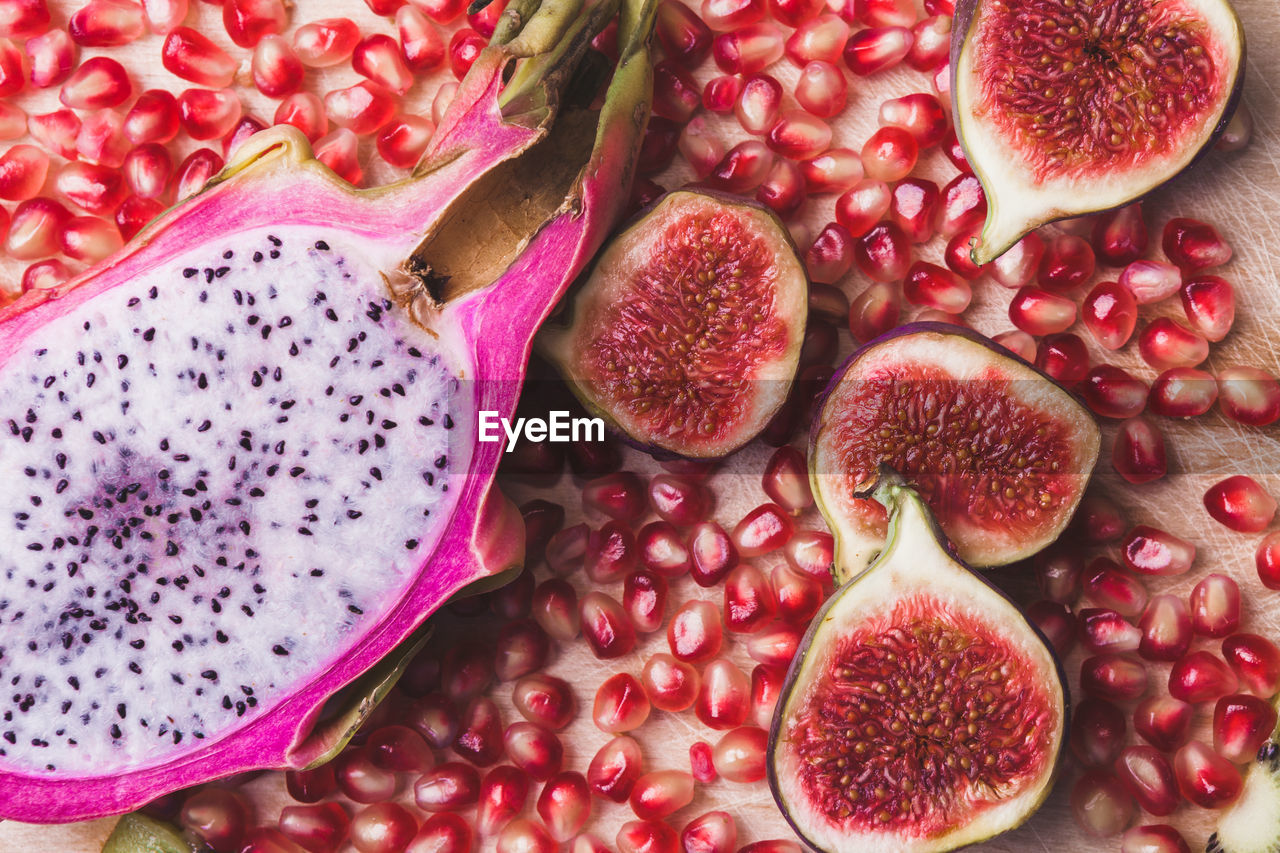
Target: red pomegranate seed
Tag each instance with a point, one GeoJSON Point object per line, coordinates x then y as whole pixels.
{"type": "Point", "coordinates": [713, 554]}
{"type": "Point", "coordinates": [1153, 838]}
{"type": "Point", "coordinates": [13, 121]}
{"type": "Point", "coordinates": [1194, 245]}
{"type": "Point", "coordinates": [964, 207]}
{"type": "Point", "coordinates": [724, 15]}
{"type": "Point", "coordinates": [775, 647]}
{"type": "Point", "coordinates": [675, 93]}
{"type": "Point", "coordinates": [248, 21]}
{"type": "Point", "coordinates": [798, 135]}
{"type": "Point", "coordinates": [889, 154]}
{"type": "Point", "coordinates": [877, 49]}
{"type": "Point", "coordinates": [615, 768]}
{"type": "Point", "coordinates": [362, 108]}
{"type": "Point", "coordinates": [1063, 357]}
{"type": "Point", "coordinates": [1249, 395]}
{"type": "Point", "coordinates": [195, 171]}
{"type": "Point", "coordinates": [743, 167]}
{"type": "Point", "coordinates": [533, 750]}
{"type": "Point", "coordinates": [920, 114]}
{"type": "Point", "coordinates": [679, 500]}
{"type": "Point", "coordinates": [1117, 677]}
{"type": "Point", "coordinates": [402, 141]}
{"type": "Point", "coordinates": [45, 275]}
{"type": "Point", "coordinates": [611, 552]}
{"type": "Point", "coordinates": [95, 189]}
{"type": "Point", "coordinates": [782, 189]}
{"type": "Point", "coordinates": [765, 528]}
{"type": "Point", "coordinates": [567, 549]}
{"type": "Point", "coordinates": [739, 755]}
{"type": "Point", "coordinates": [1163, 722]}
{"type": "Point", "coordinates": [883, 253]}
{"type": "Point", "coordinates": [1098, 519]}
{"type": "Point", "coordinates": [794, 13]}
{"type": "Point", "coordinates": [100, 82]}
{"type": "Point", "coordinates": [748, 49]}
{"type": "Point", "coordinates": [646, 836]}
{"type": "Point", "coordinates": [959, 258]}
{"type": "Point", "coordinates": [400, 749]}
{"type": "Point", "coordinates": [721, 93]}
{"type": "Point", "coordinates": [1148, 776]}
{"type": "Point", "coordinates": [587, 843]}
{"type": "Point", "coordinates": [147, 170]}
{"type": "Point", "coordinates": [1139, 454]}
{"type": "Point", "coordinates": [670, 684]}
{"type": "Point", "coordinates": [682, 34]}
{"type": "Point", "coordinates": [1039, 312]}
{"type": "Point", "coordinates": [35, 227]}
{"type": "Point", "coordinates": [859, 209]}
{"type": "Point", "coordinates": [799, 596]}
{"type": "Point", "coordinates": [660, 793]}
{"type": "Point", "coordinates": [1105, 630]}
{"type": "Point", "coordinates": [522, 648]}
{"type": "Point", "coordinates": [1182, 392]}
{"type": "Point", "coordinates": [605, 626]}
{"type": "Point", "coordinates": [786, 480]}
{"type": "Point", "coordinates": [52, 56]}
{"type": "Point", "coordinates": [23, 18]}
{"type": "Point", "coordinates": [749, 600]}
{"type": "Point", "coordinates": [1215, 606]}
{"type": "Point", "coordinates": [1151, 551]}
{"type": "Point", "coordinates": [361, 780]}
{"type": "Point", "coordinates": [835, 170]}
{"type": "Point", "coordinates": [101, 139]}
{"type": "Point", "coordinates": [421, 45]}
{"type": "Point", "coordinates": [276, 69]}
{"type": "Point", "coordinates": [661, 550]}
{"type": "Point", "coordinates": [524, 835]}
{"type": "Point", "coordinates": [766, 687]}
{"type": "Point", "coordinates": [435, 718]}
{"type": "Point", "coordinates": [930, 43]}
{"type": "Point", "coordinates": [503, 793]}
{"type": "Point", "coordinates": [106, 23]}
{"type": "Point", "coordinates": [694, 633]}
{"type": "Point", "coordinates": [1059, 569]}
{"type": "Point", "coordinates": [23, 169]}
{"type": "Point", "coordinates": [134, 213]}
{"type": "Point", "coordinates": [724, 697]}
{"type": "Point", "coordinates": [874, 311]}
{"type": "Point", "coordinates": [1209, 303]}
{"type": "Point", "coordinates": [479, 739]}
{"type": "Point", "coordinates": [1017, 267]}
{"type": "Point", "coordinates": [620, 496]}
{"type": "Point", "coordinates": [758, 104]}
{"type": "Point", "coordinates": [701, 764]}
{"type": "Point", "coordinates": [208, 113]}
{"type": "Point", "coordinates": [1113, 392]}
{"type": "Point", "coordinates": [1019, 343]}
{"type": "Point", "coordinates": [485, 21]}
{"type": "Point", "coordinates": [712, 832]}
{"type": "Point", "coordinates": [1166, 629]}
{"type": "Point", "coordinates": [326, 42]}
{"type": "Point", "coordinates": [89, 239]}
{"type": "Point", "coordinates": [935, 287]}
{"type": "Point", "coordinates": [1241, 725]}
{"type": "Point", "coordinates": [700, 147]}
{"type": "Point", "coordinates": [830, 255]}
{"type": "Point", "coordinates": [818, 39]}
{"type": "Point", "coordinates": [1068, 262]}
{"type": "Point", "coordinates": [565, 805]}
{"type": "Point", "coordinates": [1108, 586]}
{"type": "Point", "coordinates": [1204, 777]}
{"type": "Point", "coordinates": [319, 828]}
{"type": "Point", "coordinates": [1266, 559]}
{"type": "Point", "coordinates": [1120, 236]}
{"type": "Point", "coordinates": [1151, 281]}
{"type": "Point", "coordinates": [1165, 343]}
{"type": "Point", "coordinates": [913, 205]}
{"type": "Point", "coordinates": [1097, 732]}
{"type": "Point", "coordinates": [1201, 676]}
{"type": "Point", "coordinates": [885, 13]}
{"type": "Point", "coordinates": [1100, 804]}
{"type": "Point", "coordinates": [644, 597]}
{"type": "Point", "coordinates": [216, 816]}
{"type": "Point", "coordinates": [192, 56]}
{"type": "Point", "coordinates": [544, 700]}
{"type": "Point", "coordinates": [1056, 622]}
{"type": "Point", "coordinates": [152, 118]}
{"type": "Point", "coordinates": [1255, 660]}
{"type": "Point", "coordinates": [466, 671]}
{"type": "Point", "coordinates": [446, 832]}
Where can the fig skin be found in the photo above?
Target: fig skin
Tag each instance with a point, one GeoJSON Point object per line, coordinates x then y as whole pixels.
{"type": "Point", "coordinates": [985, 249]}
{"type": "Point", "coordinates": [1014, 621]}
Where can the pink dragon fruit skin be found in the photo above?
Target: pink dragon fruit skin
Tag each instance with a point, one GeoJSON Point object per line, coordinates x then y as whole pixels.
{"type": "Point", "coordinates": [275, 204]}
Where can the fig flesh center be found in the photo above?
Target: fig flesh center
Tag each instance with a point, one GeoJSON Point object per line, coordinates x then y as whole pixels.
{"type": "Point", "coordinates": [682, 345]}
{"type": "Point", "coordinates": [924, 717]}
{"type": "Point", "coordinates": [1086, 88]}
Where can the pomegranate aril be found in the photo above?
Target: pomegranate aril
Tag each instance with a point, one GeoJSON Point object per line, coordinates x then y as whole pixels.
{"type": "Point", "coordinates": [195, 171]}
{"type": "Point", "coordinates": [660, 793]}
{"type": "Point", "coordinates": [1063, 357]}
{"type": "Point", "coordinates": [479, 737]}
{"type": "Point", "coordinates": [1166, 343]}
{"type": "Point", "coordinates": [1153, 838]}
{"type": "Point", "coordinates": [786, 480]}
{"type": "Point", "coordinates": [1166, 629]}
{"type": "Point", "coordinates": [466, 671]}
{"type": "Point", "coordinates": [1249, 395]}
{"type": "Point", "coordinates": [835, 170]}
{"type": "Point", "coordinates": [1194, 245]}
{"type": "Point", "coordinates": [694, 632]}
{"type": "Point", "coordinates": [712, 552]}
{"type": "Point", "coordinates": [794, 13]}
{"type": "Point", "coordinates": [615, 768]}
{"type": "Point", "coordinates": [1017, 342]}
{"type": "Point", "coordinates": [1241, 725]}
{"type": "Point", "coordinates": [435, 718]}
{"type": "Point", "coordinates": [43, 275]}
{"type": "Point", "coordinates": [1209, 303]}
{"type": "Point", "coordinates": [758, 104]}
{"type": "Point", "coordinates": [859, 209]}
{"type": "Point", "coordinates": [749, 49]}
{"type": "Point", "coordinates": [1120, 236]}
{"type": "Point", "coordinates": [503, 793]}
{"type": "Point", "coordinates": [799, 596]}
{"type": "Point", "coordinates": [421, 44]}
{"type": "Point", "coordinates": [1163, 722]}
{"type": "Point", "coordinates": [147, 170]}
{"type": "Point", "coordinates": [276, 69]}
{"type": "Point", "coordinates": [749, 600]}
{"type": "Point", "coordinates": [99, 83]}
{"type": "Point", "coordinates": [1113, 392]}
{"type": "Point", "coordinates": [192, 56]}
{"type": "Point", "coordinates": [766, 687]}
{"type": "Point", "coordinates": [1017, 267]}
{"type": "Point", "coordinates": [620, 496]}
{"type": "Point", "coordinates": [930, 43]}
{"type": "Point", "coordinates": [13, 121]}
{"type": "Point", "coordinates": [1110, 313]}
{"type": "Point", "coordinates": [670, 684]}
{"type": "Point", "coordinates": [721, 93]}
{"type": "Point", "coordinates": [35, 228]}
{"type": "Point", "coordinates": [799, 135]}
{"type": "Point", "coordinates": [1138, 454]}
{"type": "Point", "coordinates": [964, 207]}
{"type": "Point", "coordinates": [1100, 804]}
{"type": "Point", "coordinates": [782, 190]}
{"type": "Point", "coordinates": [524, 835]}
{"type": "Point", "coordinates": [362, 108]}
{"type": "Point", "coordinates": [913, 206]}
{"type": "Point", "coordinates": [1215, 606]}
{"type": "Point", "coordinates": [644, 597]}
{"type": "Point", "coordinates": [1182, 392]}
{"type": "Point", "coordinates": [932, 286]}
{"type": "Point", "coordinates": [675, 93]}
{"type": "Point", "coordinates": [446, 832]}
{"type": "Point", "coordinates": [819, 39]}
{"type": "Point", "coordinates": [920, 114]}
{"type": "Point", "coordinates": [682, 34]}
{"type": "Point", "coordinates": [533, 750]}
{"type": "Point", "coordinates": [1097, 732]}
{"type": "Point", "coordinates": [1148, 776]}
{"type": "Point", "coordinates": [724, 15]}
{"type": "Point", "coordinates": [724, 696]}
{"type": "Point", "coordinates": [700, 147]}
{"type": "Point", "coordinates": [106, 23]}
{"type": "Point", "coordinates": [1067, 263]}
{"type": "Point", "coordinates": [402, 141]}
{"type": "Point", "coordinates": [318, 828]}
{"type": "Point", "coordinates": [739, 755]}
{"type": "Point", "coordinates": [1201, 676]}
{"type": "Point", "coordinates": [889, 154]}
{"type": "Point", "coordinates": [679, 500]}
{"type": "Point", "coordinates": [1204, 777]}
{"type": "Point", "coordinates": [52, 55]}
{"type": "Point", "coordinates": [565, 805]}
{"type": "Point", "coordinates": [611, 552]}
{"type": "Point", "coordinates": [382, 827]}
{"type": "Point", "coordinates": [451, 785]}
{"type": "Point", "coordinates": [1108, 586]}
{"type": "Point", "coordinates": [249, 21]}
{"type": "Point", "coordinates": [876, 49]}
{"type": "Point", "coordinates": [23, 169]}
{"type": "Point", "coordinates": [743, 167]}
{"type": "Point", "coordinates": [1040, 312]}
{"type": "Point", "coordinates": [712, 832]}
{"type": "Point", "coordinates": [883, 253]}
{"type": "Point", "coordinates": [208, 113]}
{"type": "Point", "coordinates": [522, 649]}
{"type": "Point", "coordinates": [1255, 660]}
{"type": "Point", "coordinates": [874, 311]}
{"type": "Point", "coordinates": [311, 786]}
{"type": "Point", "coordinates": [1056, 622]}
{"type": "Point", "coordinates": [1151, 281]}
{"type": "Point", "coordinates": [544, 700]}
{"type": "Point", "coordinates": [646, 836]}
{"type": "Point", "coordinates": [152, 118]}
{"type": "Point", "coordinates": [325, 42]}
{"type": "Point", "coordinates": [701, 765]}
{"type": "Point", "coordinates": [1151, 551]}
{"type": "Point", "coordinates": [361, 780]}
{"type": "Point", "coordinates": [1098, 519]}
{"type": "Point", "coordinates": [216, 816]}
{"type": "Point", "coordinates": [1105, 630]}
{"type": "Point", "coordinates": [400, 749]}
{"type": "Point", "coordinates": [765, 528]}
{"type": "Point", "coordinates": [773, 845]}
{"type": "Point", "coordinates": [567, 549]}
{"type": "Point", "coordinates": [828, 258]}
{"type": "Point", "coordinates": [1116, 677]}
{"type": "Point", "coordinates": [605, 626]}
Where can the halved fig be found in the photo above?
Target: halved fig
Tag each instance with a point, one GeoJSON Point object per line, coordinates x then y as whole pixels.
{"type": "Point", "coordinates": [1000, 452]}
{"type": "Point", "coordinates": [687, 334]}
{"type": "Point", "coordinates": [923, 711]}
{"type": "Point", "coordinates": [1066, 108]}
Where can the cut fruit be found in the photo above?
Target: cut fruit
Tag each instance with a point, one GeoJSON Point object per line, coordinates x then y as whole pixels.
{"type": "Point", "coordinates": [1122, 97]}
{"type": "Point", "coordinates": [1252, 823]}
{"type": "Point", "coordinates": [967, 742]}
{"type": "Point", "coordinates": [1000, 453]}
{"type": "Point", "coordinates": [687, 334]}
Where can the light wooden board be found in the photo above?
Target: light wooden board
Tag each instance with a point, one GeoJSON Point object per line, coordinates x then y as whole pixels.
{"type": "Point", "coordinates": [1239, 192]}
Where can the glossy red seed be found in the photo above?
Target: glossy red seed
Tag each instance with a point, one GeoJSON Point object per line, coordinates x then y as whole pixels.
{"type": "Point", "coordinates": [1113, 392]}
{"type": "Point", "coordinates": [724, 698]}
{"type": "Point", "coordinates": [932, 286]}
{"type": "Point", "coordinates": [361, 780]}
{"type": "Point", "coordinates": [1146, 773]}
{"type": "Point", "coordinates": [835, 170]}
{"type": "Point", "coordinates": [1255, 660]}
{"type": "Point", "coordinates": [758, 104]}
{"type": "Point", "coordinates": [1068, 262]}
{"type": "Point", "coordinates": [249, 21]}
{"type": "Point", "coordinates": [152, 118]}
{"type": "Point", "coordinates": [874, 311]}
{"type": "Point", "coordinates": [749, 600]}
{"type": "Point", "coordinates": [676, 95]}
{"type": "Point", "coordinates": [544, 700]}
{"type": "Point", "coordinates": [1182, 392]}
{"type": "Point", "coordinates": [1241, 725]}
{"type": "Point", "coordinates": [1017, 267]}
{"type": "Point", "coordinates": [1037, 311]}
{"type": "Point", "coordinates": [1249, 395]}
{"type": "Point", "coordinates": [644, 597]}
{"type": "Point", "coordinates": [877, 49]}
{"type": "Point", "coordinates": [35, 227]}
{"type": "Point", "coordinates": [451, 785]}
{"type": "Point", "coordinates": [89, 239]}
{"type": "Point", "coordinates": [1059, 569]}
{"type": "Point", "coordinates": [964, 206]}
{"type": "Point", "coordinates": [106, 23]}
{"type": "Point", "coordinates": [325, 42]}
{"type": "Point", "coordinates": [765, 528]}
{"type": "Point", "coordinates": [1017, 342]}
{"type": "Point", "coordinates": [701, 765]}
{"type": "Point", "coordinates": [100, 82]}
{"type": "Point", "coordinates": [721, 93]}
{"type": "Point", "coordinates": [1105, 630]}
{"type": "Point", "coordinates": [679, 500]}
{"type": "Point", "coordinates": [930, 43]}
{"type": "Point", "coordinates": [421, 45]}
{"type": "Point", "coordinates": [1063, 357]}
{"type": "Point", "coordinates": [799, 596]}
{"type": "Point", "coordinates": [1194, 245]}
{"type": "Point", "coordinates": [362, 108]}
{"type": "Point", "coordinates": [605, 626]}
{"type": "Point", "coordinates": [670, 684]}
{"type": "Point", "coordinates": [694, 632]}
{"type": "Point", "coordinates": [711, 832]}
{"type": "Point", "coordinates": [1100, 804]}
{"type": "Point", "coordinates": [1120, 236]}
{"type": "Point", "coordinates": [830, 255]}
{"type": "Point", "coordinates": [134, 213]}
{"type": "Point", "coordinates": [1204, 777]}
{"type": "Point", "coordinates": [402, 141]}
{"type": "Point", "coordinates": [889, 154]}
{"type": "Point", "coordinates": [276, 69]}
{"type": "Point", "coordinates": [524, 835]}
{"type": "Point", "coordinates": [208, 113]}
{"type": "Point", "coordinates": [620, 496]}
{"type": "Point", "coordinates": [1056, 622]}
{"type": "Point", "coordinates": [480, 733]}
{"type": "Point", "coordinates": [315, 828]}
{"type": "Point", "coordinates": [920, 114]}
{"type": "Point", "coordinates": [42, 275]}
{"type": "Point", "coordinates": [1107, 585]}
{"type": "Point", "coordinates": [743, 167]}
{"type": "Point", "coordinates": [1151, 551]}
{"type": "Point", "coordinates": [646, 836]}
{"type": "Point", "coordinates": [615, 768]}
{"type": "Point", "coordinates": [1097, 732]}
{"type": "Point", "coordinates": [1166, 629]}
{"type": "Point", "coordinates": [712, 552]}
{"type": "Point", "coordinates": [883, 253]}
{"type": "Point", "coordinates": [739, 755]}
{"type": "Point", "coordinates": [93, 188]}
{"type": "Point", "coordinates": [565, 805]}
{"type": "Point", "coordinates": [820, 38]}
{"type": "Point", "coordinates": [400, 749]}
{"type": "Point", "coordinates": [913, 206]}
{"type": "Point", "coordinates": [52, 56]}
{"type": "Point", "coordinates": [23, 169]}
{"type": "Point", "coordinates": [193, 56]}
{"type": "Point", "coordinates": [798, 135]}
{"type": "Point", "coordinates": [1153, 838]}
{"type": "Point", "coordinates": [533, 749]}
{"type": "Point", "coordinates": [748, 49]}
{"type": "Point", "coordinates": [860, 208]}
{"type": "Point", "coordinates": [682, 34]}
{"type": "Point", "coordinates": [216, 816]}
{"type": "Point", "coordinates": [766, 687]}
{"type": "Point", "coordinates": [23, 18]}
{"type": "Point", "coordinates": [446, 832]}
{"type": "Point", "coordinates": [311, 786]}
{"type": "Point", "coordinates": [782, 189]}
{"type": "Point", "coordinates": [611, 552]}
{"type": "Point", "coordinates": [1210, 305]}
{"type": "Point", "coordinates": [503, 793]}
{"type": "Point", "coordinates": [1215, 606]}
{"type": "Point", "coordinates": [1151, 281]}
{"type": "Point", "coordinates": [1116, 677]}
{"type": "Point", "coordinates": [1201, 676]}
{"type": "Point", "coordinates": [1138, 454]}
{"type": "Point", "coordinates": [195, 171]}
{"type": "Point", "coordinates": [660, 793]}
{"type": "Point", "coordinates": [724, 15]}
{"type": "Point", "coordinates": [1163, 722]}
{"type": "Point", "coordinates": [1166, 343]}
{"type": "Point", "coordinates": [464, 48]}
{"type": "Point", "coordinates": [147, 170]}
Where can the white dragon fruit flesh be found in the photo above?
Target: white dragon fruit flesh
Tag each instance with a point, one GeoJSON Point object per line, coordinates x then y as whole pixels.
{"type": "Point", "coordinates": [240, 458]}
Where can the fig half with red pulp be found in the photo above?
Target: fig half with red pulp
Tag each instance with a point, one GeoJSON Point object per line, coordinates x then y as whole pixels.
{"type": "Point", "coordinates": [1067, 107]}
{"type": "Point", "coordinates": [923, 711]}
{"type": "Point", "coordinates": [1000, 452]}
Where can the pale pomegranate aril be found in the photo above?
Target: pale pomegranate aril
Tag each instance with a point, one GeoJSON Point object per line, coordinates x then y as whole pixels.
{"type": "Point", "coordinates": [1017, 267]}
{"type": "Point", "coordinates": [13, 121]}
{"type": "Point", "coordinates": [1107, 585]}
{"type": "Point", "coordinates": [524, 835]}
{"type": "Point", "coordinates": [99, 83]}
{"type": "Point", "coordinates": [533, 749]}
{"type": "Point", "coordinates": [147, 170]}
{"type": "Point", "coordinates": [1138, 454]}
{"type": "Point", "coordinates": [724, 697]}
{"type": "Point", "coordinates": [759, 103]}
{"type": "Point", "coordinates": [1059, 569]}
{"type": "Point", "coordinates": [646, 836]}
{"type": "Point", "coordinates": [565, 805]}
{"type": "Point", "coordinates": [877, 49]}
{"type": "Point", "coordinates": [818, 39]}
{"type": "Point", "coordinates": [794, 13]}
{"type": "Point", "coordinates": [1097, 732]}
{"type": "Point", "coordinates": [1204, 777]}
{"type": "Point", "coordinates": [775, 646]}
{"type": "Point", "coordinates": [195, 171]}
{"type": "Point", "coordinates": [864, 205]}
{"type": "Point", "coordinates": [798, 135]}
{"type": "Point", "coordinates": [702, 148]}
{"type": "Point", "coordinates": [749, 600]}
{"type": "Point", "coordinates": [1113, 392]}
{"type": "Point", "coordinates": [503, 793]}
{"type": "Point", "coordinates": [1182, 392]}
{"type": "Point", "coordinates": [43, 275]}
{"type": "Point", "coordinates": [362, 108]}
{"type": "Point", "coordinates": [1163, 722]}
{"type": "Point", "coordinates": [1116, 677]}
{"type": "Point", "coordinates": [695, 632]}
{"type": "Point", "coordinates": [326, 42]}
{"type": "Point", "coordinates": [106, 23]}
{"type": "Point", "coordinates": [721, 93]}
{"type": "Point", "coordinates": [1194, 245]}
{"type": "Point", "coordinates": [466, 671]}
{"type": "Point", "coordinates": [134, 213]}
{"type": "Point", "coordinates": [662, 550]}
{"type": "Point", "coordinates": [739, 755]}
{"type": "Point", "coordinates": [93, 188]}
{"type": "Point", "coordinates": [611, 552]}
{"type": "Point", "coordinates": [920, 114]}
{"type": "Point", "coordinates": [964, 207]}
{"type": "Point", "coordinates": [23, 169]}
{"type": "Point", "coordinates": [644, 597]}
{"type": "Point", "coordinates": [660, 793]}
{"type": "Point", "coordinates": [1215, 606]}
{"type": "Point", "coordinates": [479, 737]}
{"type": "Point", "coordinates": [1056, 622]}
{"type": "Point", "coordinates": [713, 554]}
{"type": "Point", "coordinates": [1153, 838]}
{"type": "Point", "coordinates": [1201, 676]}
{"type": "Point", "coordinates": [874, 311]}
{"type": "Point", "coordinates": [932, 286]}
{"type": "Point", "coordinates": [748, 49]}
{"type": "Point", "coordinates": [361, 780]}
{"type": "Point", "coordinates": [766, 687]}
{"type": "Point", "coordinates": [193, 56]}
{"type": "Point", "coordinates": [1105, 630]}
{"type": "Point", "coordinates": [765, 528]}
{"type": "Point", "coordinates": [614, 769]}
{"type": "Point", "coordinates": [1019, 343]}
{"type": "Point", "coordinates": [930, 43]}
{"type": "Point", "coordinates": [829, 257]}
{"type": "Point", "coordinates": [339, 151]}
{"type": "Point", "coordinates": [316, 828]}
{"type": "Point", "coordinates": [889, 154]}
{"type": "Point", "coordinates": [152, 118]}
{"type": "Point", "coordinates": [711, 832]}
{"type": "Point", "coordinates": [544, 700]}
{"type": "Point", "coordinates": [485, 21]}
{"type": "Point", "coordinates": [1166, 343]}
{"type": "Point", "coordinates": [52, 56]}
{"type": "Point", "coordinates": [446, 832]}
{"type": "Point", "coordinates": [402, 141]}
{"type": "Point", "coordinates": [1151, 281]}
{"type": "Point", "coordinates": [1148, 776]}
{"type": "Point", "coordinates": [247, 22]}
{"type": "Point", "coordinates": [1255, 661]}
{"type": "Point", "coordinates": [679, 500]}
{"type": "Point", "coordinates": [421, 45]}
{"type": "Point", "coordinates": [1120, 236]}
{"type": "Point", "coordinates": [35, 228]}
{"type": "Point", "coordinates": [670, 684]}
{"type": "Point", "coordinates": [1241, 725]}
{"type": "Point", "coordinates": [620, 496]}
{"type": "Point", "coordinates": [276, 69]}
{"type": "Point", "coordinates": [23, 18]}
{"type": "Point", "coordinates": [1249, 395]}
{"type": "Point", "coordinates": [835, 170]}
{"type": "Point", "coordinates": [1151, 551]}
{"type": "Point", "coordinates": [743, 167]}
{"type": "Point", "coordinates": [701, 764]}
{"type": "Point", "coordinates": [1166, 629]}
{"type": "Point", "coordinates": [724, 15]}
{"type": "Point", "coordinates": [1101, 804]}
{"type": "Point", "coordinates": [1209, 303]}
{"type": "Point", "coordinates": [605, 626]}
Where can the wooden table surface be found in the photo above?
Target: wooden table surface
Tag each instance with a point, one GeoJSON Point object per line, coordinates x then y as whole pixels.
{"type": "Point", "coordinates": [1238, 192]}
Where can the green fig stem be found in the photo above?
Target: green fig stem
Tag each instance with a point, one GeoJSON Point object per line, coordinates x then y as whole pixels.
{"type": "Point", "coordinates": [545, 28]}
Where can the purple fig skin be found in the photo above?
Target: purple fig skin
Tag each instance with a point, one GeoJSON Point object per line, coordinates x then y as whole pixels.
{"type": "Point", "coordinates": [966, 14]}
{"type": "Point", "coordinates": [792, 681]}
{"type": "Point", "coordinates": [276, 180]}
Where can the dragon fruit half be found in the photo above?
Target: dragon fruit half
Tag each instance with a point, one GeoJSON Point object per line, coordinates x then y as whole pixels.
{"type": "Point", "coordinates": [240, 458]}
